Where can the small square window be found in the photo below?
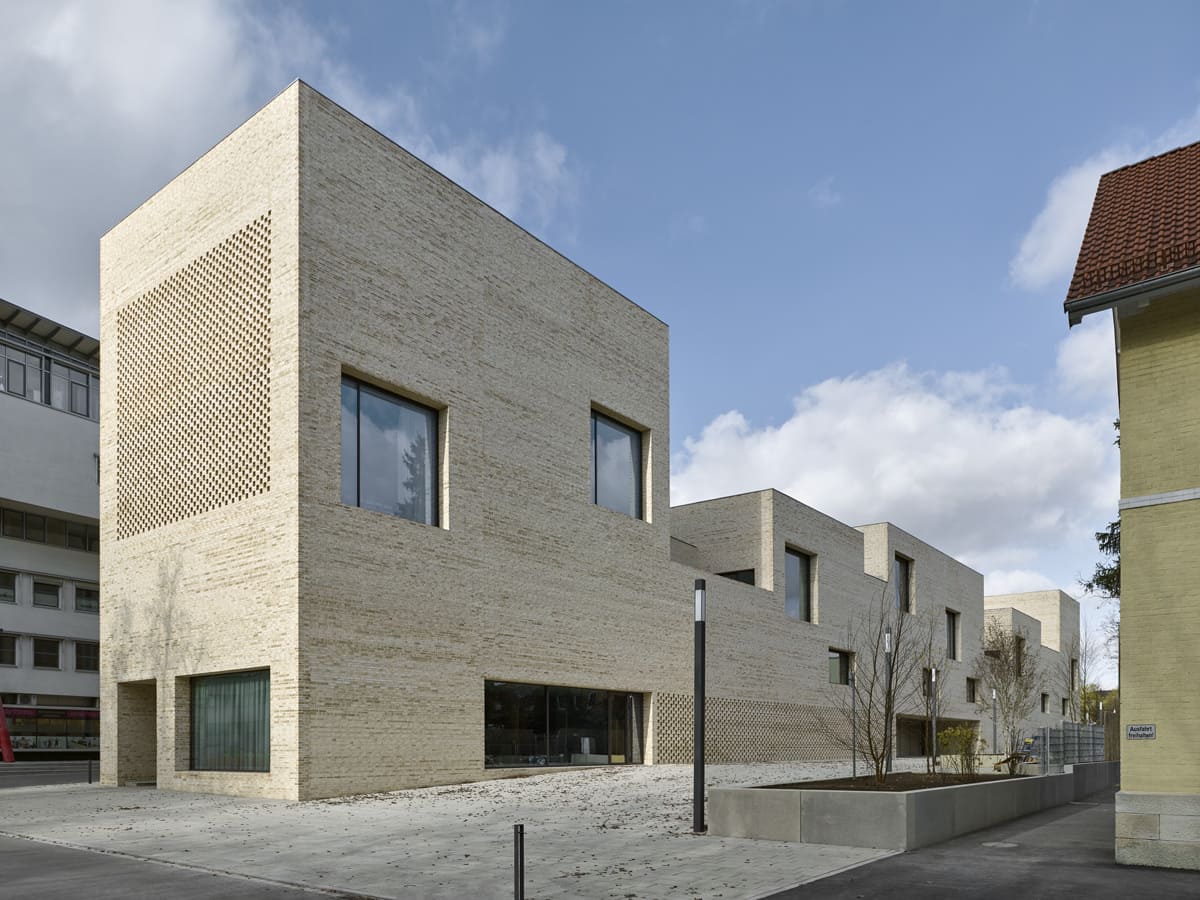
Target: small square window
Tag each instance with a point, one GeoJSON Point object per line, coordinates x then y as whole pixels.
{"type": "Point", "coordinates": [45, 653]}
{"type": "Point", "coordinates": [8, 650]}
{"type": "Point", "coordinates": [87, 599]}
{"type": "Point", "coordinates": [616, 466]}
{"type": "Point", "coordinates": [839, 666]}
{"type": "Point", "coordinates": [87, 656]}
{"type": "Point", "coordinates": [8, 587]}
{"type": "Point", "coordinates": [46, 594]}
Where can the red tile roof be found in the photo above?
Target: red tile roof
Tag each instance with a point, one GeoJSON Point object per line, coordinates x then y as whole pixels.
{"type": "Point", "coordinates": [1145, 222]}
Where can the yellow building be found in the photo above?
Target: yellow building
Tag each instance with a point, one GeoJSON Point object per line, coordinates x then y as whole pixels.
{"type": "Point", "coordinates": [1140, 259]}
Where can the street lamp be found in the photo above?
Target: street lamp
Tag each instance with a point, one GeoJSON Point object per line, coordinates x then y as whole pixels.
{"type": "Point", "coordinates": [887, 696]}
{"type": "Point", "coordinates": [853, 722]}
{"type": "Point", "coordinates": [698, 715]}
{"type": "Point", "coordinates": [995, 743]}
{"type": "Point", "coordinates": [933, 707]}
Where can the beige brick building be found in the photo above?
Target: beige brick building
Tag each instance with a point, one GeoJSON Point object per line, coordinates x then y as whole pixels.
{"type": "Point", "coordinates": [1141, 259]}
{"type": "Point", "coordinates": [385, 501]}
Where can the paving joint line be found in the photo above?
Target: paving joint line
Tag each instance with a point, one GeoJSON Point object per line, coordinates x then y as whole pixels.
{"type": "Point", "coordinates": [296, 885]}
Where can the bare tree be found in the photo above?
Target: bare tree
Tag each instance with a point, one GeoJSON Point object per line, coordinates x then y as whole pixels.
{"type": "Point", "coordinates": [1078, 669]}
{"type": "Point", "coordinates": [933, 658]}
{"type": "Point", "coordinates": [881, 682]}
{"type": "Point", "coordinates": [1005, 665]}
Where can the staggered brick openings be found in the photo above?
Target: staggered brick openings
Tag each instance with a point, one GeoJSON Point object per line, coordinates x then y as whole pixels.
{"type": "Point", "coordinates": [1145, 223]}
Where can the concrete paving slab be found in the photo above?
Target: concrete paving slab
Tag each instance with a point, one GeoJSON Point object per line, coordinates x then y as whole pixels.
{"type": "Point", "coordinates": [618, 833]}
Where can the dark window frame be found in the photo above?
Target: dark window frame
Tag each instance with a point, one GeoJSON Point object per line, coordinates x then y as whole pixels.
{"type": "Point", "coordinates": [638, 437]}
{"type": "Point", "coordinates": [431, 413]}
{"type": "Point", "coordinates": [845, 664]}
{"type": "Point", "coordinates": [41, 652]}
{"type": "Point", "coordinates": [953, 640]}
{"type": "Point", "coordinates": [11, 640]}
{"type": "Point", "coordinates": [806, 609]}
{"type": "Point", "coordinates": [94, 653]}
{"type": "Point", "coordinates": [195, 682]}
{"type": "Point", "coordinates": [903, 565]}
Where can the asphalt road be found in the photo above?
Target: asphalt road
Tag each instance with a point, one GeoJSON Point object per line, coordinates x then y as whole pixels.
{"type": "Point", "coordinates": [1062, 852]}
{"type": "Point", "coordinates": [28, 774]}
{"type": "Point", "coordinates": [35, 869]}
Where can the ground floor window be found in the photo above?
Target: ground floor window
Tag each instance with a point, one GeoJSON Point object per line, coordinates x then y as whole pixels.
{"type": "Point", "coordinates": [548, 725]}
{"type": "Point", "coordinates": [58, 729]}
{"type": "Point", "coordinates": [231, 722]}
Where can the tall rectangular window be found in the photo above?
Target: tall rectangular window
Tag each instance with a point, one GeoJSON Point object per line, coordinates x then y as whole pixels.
{"type": "Point", "coordinates": [8, 649]}
{"type": "Point", "coordinates": [952, 620]}
{"type": "Point", "coordinates": [87, 656]}
{"type": "Point", "coordinates": [616, 466]}
{"type": "Point", "coordinates": [8, 587]}
{"type": "Point", "coordinates": [902, 580]}
{"type": "Point", "coordinates": [797, 579]}
{"type": "Point", "coordinates": [87, 599]}
{"type": "Point", "coordinates": [1066, 707]}
{"type": "Point", "coordinates": [972, 690]}
{"type": "Point", "coordinates": [35, 528]}
{"type": "Point", "coordinates": [1045, 703]}
{"type": "Point", "coordinates": [231, 722]}
{"type": "Point", "coordinates": [389, 453]}
{"type": "Point", "coordinates": [45, 653]}
{"type": "Point", "coordinates": [839, 666]}
{"type": "Point", "coordinates": [14, 524]}
{"type": "Point", "coordinates": [46, 594]}
{"type": "Point", "coordinates": [1074, 674]}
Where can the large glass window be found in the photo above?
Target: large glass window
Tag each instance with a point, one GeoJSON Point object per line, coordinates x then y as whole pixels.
{"type": "Point", "coordinates": [389, 453]}
{"type": "Point", "coordinates": [14, 524]}
{"type": "Point", "coordinates": [231, 722]}
{"type": "Point", "coordinates": [8, 649]}
{"type": "Point", "coordinates": [87, 656]}
{"type": "Point", "coordinates": [538, 725]}
{"type": "Point", "coordinates": [798, 585]}
{"type": "Point", "coordinates": [20, 525]}
{"type": "Point", "coordinates": [616, 466]}
{"type": "Point", "coordinates": [8, 587]}
{"type": "Point", "coordinates": [45, 653]}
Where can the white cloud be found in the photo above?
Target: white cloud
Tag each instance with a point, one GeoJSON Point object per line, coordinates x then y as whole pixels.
{"type": "Point", "coordinates": [822, 195]}
{"type": "Point", "coordinates": [1047, 252]}
{"type": "Point", "coordinates": [104, 103]}
{"type": "Point", "coordinates": [1016, 581]}
{"type": "Point", "coordinates": [1086, 365]}
{"type": "Point", "coordinates": [962, 460]}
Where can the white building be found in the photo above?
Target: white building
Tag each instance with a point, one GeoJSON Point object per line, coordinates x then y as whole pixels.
{"type": "Point", "coordinates": [49, 535]}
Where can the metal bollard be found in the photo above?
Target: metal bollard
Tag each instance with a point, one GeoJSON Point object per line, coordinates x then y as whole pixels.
{"type": "Point", "coordinates": [89, 770]}
{"type": "Point", "coordinates": [518, 862]}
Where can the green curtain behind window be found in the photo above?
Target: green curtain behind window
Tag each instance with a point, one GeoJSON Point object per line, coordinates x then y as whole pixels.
{"type": "Point", "coordinates": [231, 722]}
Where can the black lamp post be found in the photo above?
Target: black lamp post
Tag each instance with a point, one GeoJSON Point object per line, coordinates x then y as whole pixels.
{"type": "Point", "coordinates": [887, 696]}
{"type": "Point", "coordinates": [698, 825]}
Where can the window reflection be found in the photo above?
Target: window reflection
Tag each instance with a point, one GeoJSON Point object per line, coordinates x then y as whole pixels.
{"type": "Point", "coordinates": [529, 725]}
{"type": "Point", "coordinates": [616, 466]}
{"type": "Point", "coordinates": [389, 453]}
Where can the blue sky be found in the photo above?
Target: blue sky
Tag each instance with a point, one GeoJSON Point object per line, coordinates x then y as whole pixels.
{"type": "Point", "coordinates": [858, 219]}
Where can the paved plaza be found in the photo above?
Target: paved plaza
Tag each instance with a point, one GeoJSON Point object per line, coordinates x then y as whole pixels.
{"type": "Point", "coordinates": [620, 833]}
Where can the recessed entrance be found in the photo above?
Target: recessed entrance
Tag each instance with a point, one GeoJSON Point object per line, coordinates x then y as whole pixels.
{"type": "Point", "coordinates": [136, 725]}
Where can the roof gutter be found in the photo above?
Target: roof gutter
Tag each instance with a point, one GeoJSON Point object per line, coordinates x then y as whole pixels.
{"type": "Point", "coordinates": [1143, 292]}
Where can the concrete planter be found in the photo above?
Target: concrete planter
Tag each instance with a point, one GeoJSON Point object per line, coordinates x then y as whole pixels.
{"type": "Point", "coordinates": [896, 821]}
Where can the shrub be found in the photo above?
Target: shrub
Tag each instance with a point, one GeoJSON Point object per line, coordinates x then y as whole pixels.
{"type": "Point", "coordinates": [961, 744]}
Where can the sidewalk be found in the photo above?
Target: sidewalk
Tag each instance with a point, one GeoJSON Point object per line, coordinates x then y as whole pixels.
{"type": "Point", "coordinates": [618, 833]}
{"type": "Point", "coordinates": [1062, 852]}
